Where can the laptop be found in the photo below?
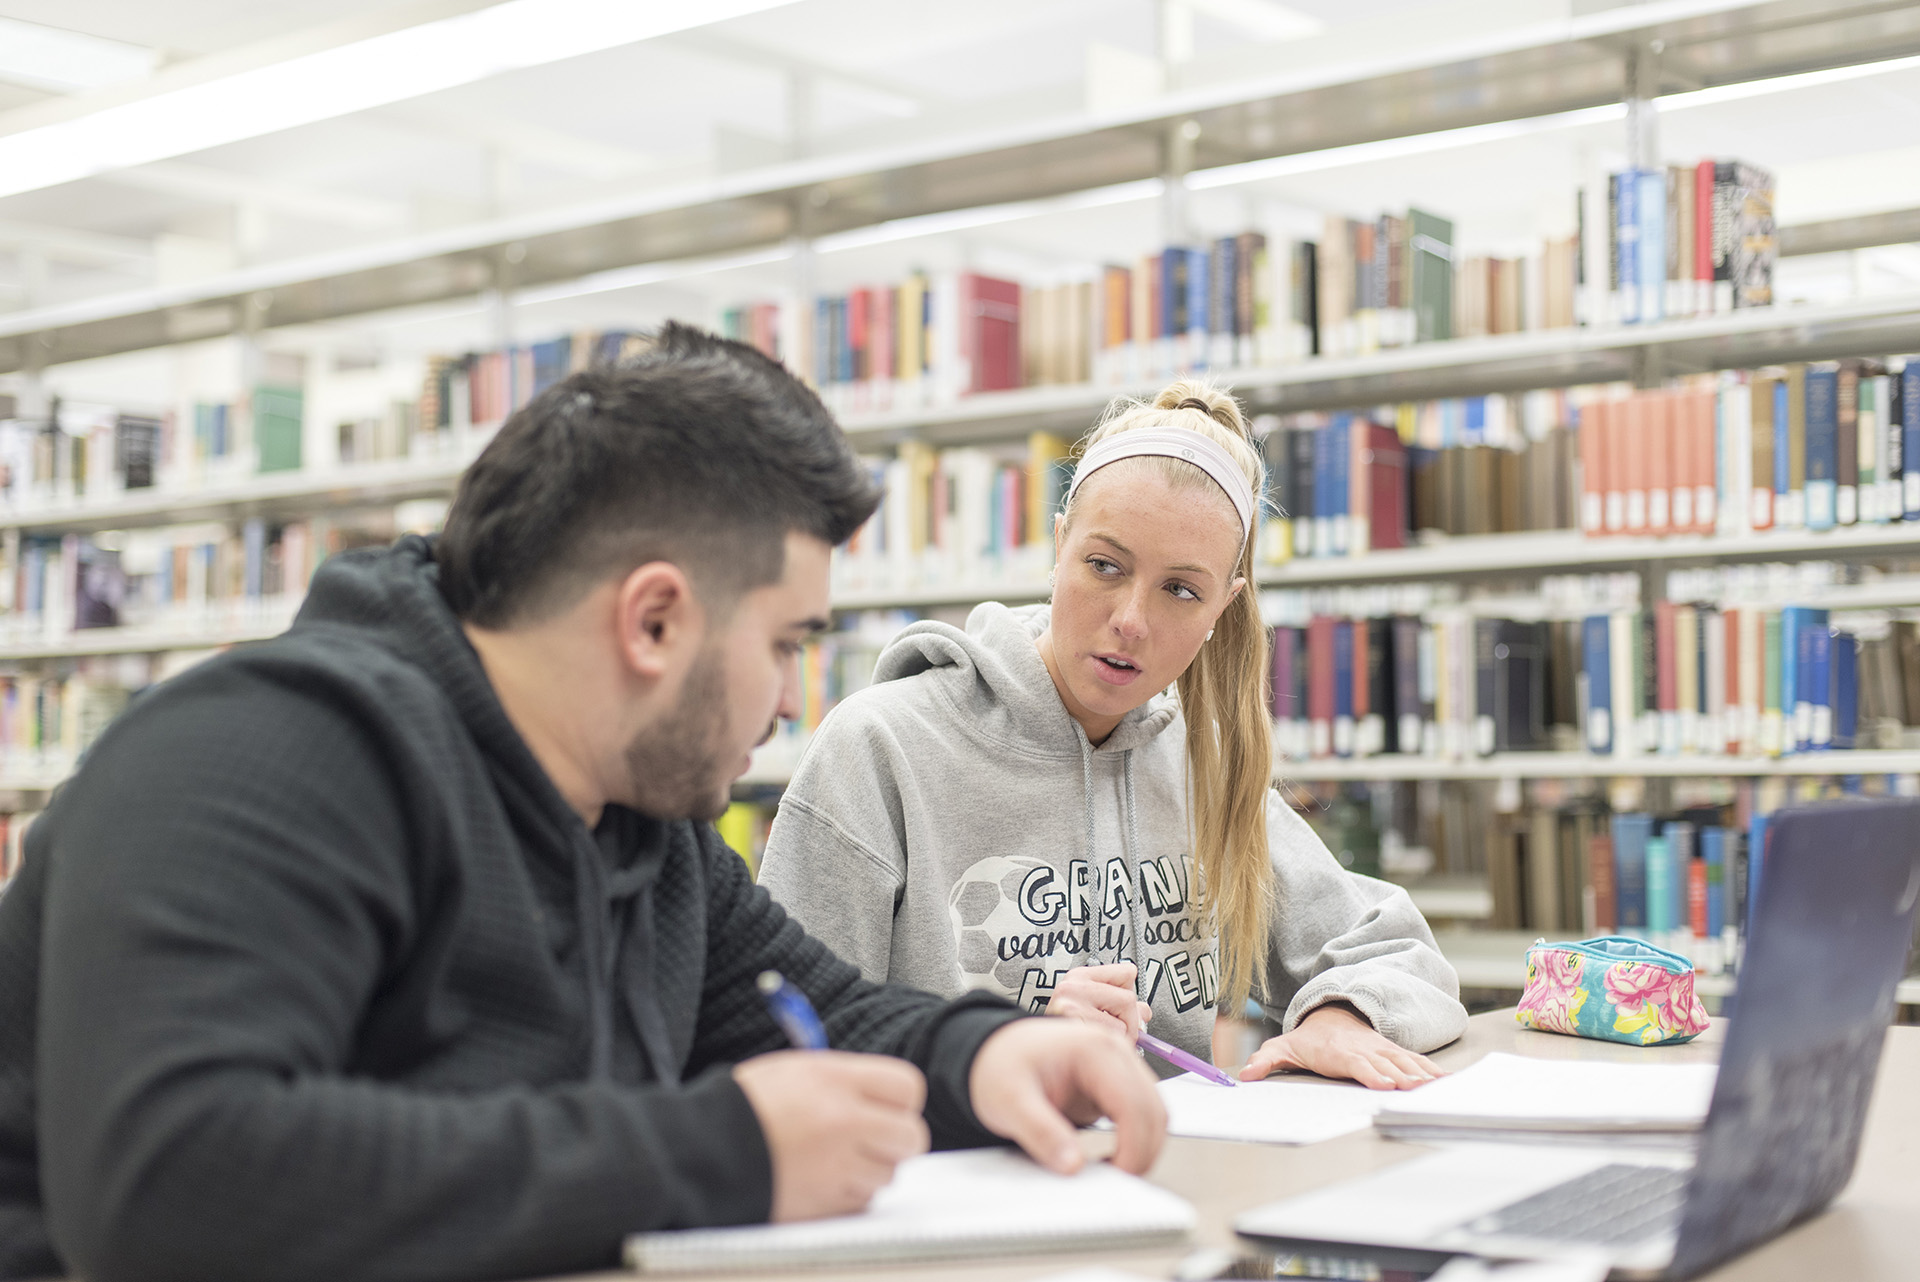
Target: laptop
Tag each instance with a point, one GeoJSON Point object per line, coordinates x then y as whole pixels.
{"type": "Point", "coordinates": [1831, 928]}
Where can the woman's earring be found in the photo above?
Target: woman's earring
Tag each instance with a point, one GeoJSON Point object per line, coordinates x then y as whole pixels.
{"type": "Point", "coordinates": [1209, 635]}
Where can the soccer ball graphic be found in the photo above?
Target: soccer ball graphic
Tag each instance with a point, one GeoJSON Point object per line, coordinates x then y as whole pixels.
{"type": "Point", "coordinates": [984, 906]}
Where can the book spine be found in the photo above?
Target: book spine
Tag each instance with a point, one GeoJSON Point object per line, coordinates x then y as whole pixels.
{"type": "Point", "coordinates": [1343, 727]}
{"type": "Point", "coordinates": [1630, 833]}
{"type": "Point", "coordinates": [1598, 667]}
{"type": "Point", "coordinates": [1820, 409]}
{"type": "Point", "coordinates": [1659, 885]}
{"type": "Point", "coordinates": [1907, 401]}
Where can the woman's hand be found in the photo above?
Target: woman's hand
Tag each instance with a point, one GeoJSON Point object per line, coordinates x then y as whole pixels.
{"type": "Point", "coordinates": [1334, 1041]}
{"type": "Point", "coordinates": [1101, 995]}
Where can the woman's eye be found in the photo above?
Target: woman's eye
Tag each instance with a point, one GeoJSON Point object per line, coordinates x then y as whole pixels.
{"type": "Point", "coordinates": [1102, 566]}
{"type": "Point", "coordinates": [1183, 592]}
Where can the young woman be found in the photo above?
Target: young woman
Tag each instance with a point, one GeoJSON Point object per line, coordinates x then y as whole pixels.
{"type": "Point", "coordinates": [1070, 805]}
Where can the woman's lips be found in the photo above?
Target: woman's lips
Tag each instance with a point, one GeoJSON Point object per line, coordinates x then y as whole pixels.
{"type": "Point", "coordinates": [1112, 675]}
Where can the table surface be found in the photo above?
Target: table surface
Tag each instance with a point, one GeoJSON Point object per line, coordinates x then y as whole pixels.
{"type": "Point", "coordinates": [1868, 1235]}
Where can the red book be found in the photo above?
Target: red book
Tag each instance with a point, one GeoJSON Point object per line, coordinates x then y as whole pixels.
{"type": "Point", "coordinates": [857, 305]}
{"type": "Point", "coordinates": [1386, 464]}
{"type": "Point", "coordinates": [1730, 723]}
{"type": "Point", "coordinates": [1599, 899]}
{"type": "Point", "coordinates": [1593, 468]}
{"type": "Point", "coordinates": [1362, 705]}
{"type": "Point", "coordinates": [1636, 447]}
{"type": "Point", "coordinates": [1657, 408]}
{"type": "Point", "coordinates": [1697, 897]}
{"type": "Point", "coordinates": [1320, 685]}
{"type": "Point", "coordinates": [989, 332]}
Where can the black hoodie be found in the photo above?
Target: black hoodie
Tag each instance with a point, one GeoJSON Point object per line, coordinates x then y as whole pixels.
{"type": "Point", "coordinates": [311, 973]}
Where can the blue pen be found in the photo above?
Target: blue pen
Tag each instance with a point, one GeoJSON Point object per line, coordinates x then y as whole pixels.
{"type": "Point", "coordinates": [792, 1011]}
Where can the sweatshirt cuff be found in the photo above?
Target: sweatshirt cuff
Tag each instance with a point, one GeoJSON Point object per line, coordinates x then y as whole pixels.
{"type": "Point", "coordinates": [723, 1168]}
{"type": "Point", "coordinates": [956, 1038]}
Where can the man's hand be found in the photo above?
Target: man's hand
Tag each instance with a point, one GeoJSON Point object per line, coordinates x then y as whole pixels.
{"type": "Point", "coordinates": [836, 1125]}
{"type": "Point", "coordinates": [1334, 1041]}
{"type": "Point", "coordinates": [1034, 1080]}
{"type": "Point", "coordinates": [1102, 995]}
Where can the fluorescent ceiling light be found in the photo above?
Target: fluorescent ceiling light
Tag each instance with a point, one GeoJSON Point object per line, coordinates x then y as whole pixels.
{"type": "Point", "coordinates": [61, 61]}
{"type": "Point", "coordinates": [337, 82]}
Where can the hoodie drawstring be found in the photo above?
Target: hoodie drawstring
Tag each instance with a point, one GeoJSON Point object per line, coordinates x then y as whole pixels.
{"type": "Point", "coordinates": [1130, 852]}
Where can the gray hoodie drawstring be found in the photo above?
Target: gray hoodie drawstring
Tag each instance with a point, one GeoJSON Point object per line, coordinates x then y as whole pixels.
{"type": "Point", "coordinates": [1130, 853]}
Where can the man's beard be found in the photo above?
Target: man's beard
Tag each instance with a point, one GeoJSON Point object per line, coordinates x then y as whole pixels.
{"type": "Point", "coordinates": [682, 768]}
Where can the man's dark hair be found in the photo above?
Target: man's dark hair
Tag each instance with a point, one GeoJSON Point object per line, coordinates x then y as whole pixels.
{"type": "Point", "coordinates": [697, 450]}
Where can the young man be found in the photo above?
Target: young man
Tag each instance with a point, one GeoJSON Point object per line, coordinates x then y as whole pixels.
{"type": "Point", "coordinates": [398, 947]}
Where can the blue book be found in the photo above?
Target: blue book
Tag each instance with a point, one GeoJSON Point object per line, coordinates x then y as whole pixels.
{"type": "Point", "coordinates": [1845, 687]}
{"type": "Point", "coordinates": [1597, 660]}
{"type": "Point", "coordinates": [1713, 852]}
{"type": "Point", "coordinates": [1819, 672]}
{"type": "Point", "coordinates": [1626, 238]}
{"type": "Point", "coordinates": [1660, 880]}
{"type": "Point", "coordinates": [1340, 475]}
{"type": "Point", "coordinates": [1756, 861]}
{"type": "Point", "coordinates": [1199, 291]}
{"type": "Point", "coordinates": [1473, 421]}
{"type": "Point", "coordinates": [1823, 444]}
{"type": "Point", "coordinates": [1909, 401]}
{"type": "Point", "coordinates": [1343, 688]}
{"type": "Point", "coordinates": [1173, 299]}
{"type": "Point", "coordinates": [1782, 444]}
{"type": "Point", "coordinates": [1652, 248]}
{"type": "Point", "coordinates": [1630, 833]}
{"type": "Point", "coordinates": [1323, 490]}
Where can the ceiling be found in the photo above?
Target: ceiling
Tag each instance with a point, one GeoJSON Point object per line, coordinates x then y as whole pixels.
{"type": "Point", "coordinates": [824, 77]}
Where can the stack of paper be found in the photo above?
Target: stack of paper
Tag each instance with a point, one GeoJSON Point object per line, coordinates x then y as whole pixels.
{"type": "Point", "coordinates": [1513, 1097]}
{"type": "Point", "coordinates": [939, 1207]}
{"type": "Point", "coordinates": [1275, 1111]}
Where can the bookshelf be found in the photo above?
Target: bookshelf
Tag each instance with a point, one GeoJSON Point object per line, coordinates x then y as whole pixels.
{"type": "Point", "coordinates": [1580, 765]}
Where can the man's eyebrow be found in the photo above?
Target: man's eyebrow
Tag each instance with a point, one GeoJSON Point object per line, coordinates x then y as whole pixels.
{"type": "Point", "coordinates": [809, 627]}
{"type": "Point", "coordinates": [1123, 550]}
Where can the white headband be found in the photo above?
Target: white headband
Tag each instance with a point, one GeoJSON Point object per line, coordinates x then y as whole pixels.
{"type": "Point", "coordinates": [1182, 443]}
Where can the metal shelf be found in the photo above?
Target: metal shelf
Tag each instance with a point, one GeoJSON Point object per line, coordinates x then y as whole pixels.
{"type": "Point", "coordinates": [1451, 81]}
{"type": "Point", "coordinates": [266, 494]}
{"type": "Point", "coordinates": [1578, 765]}
{"type": "Point", "coordinates": [142, 640]}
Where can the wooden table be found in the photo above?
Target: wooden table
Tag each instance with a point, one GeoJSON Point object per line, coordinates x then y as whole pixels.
{"type": "Point", "coordinates": [1871, 1234]}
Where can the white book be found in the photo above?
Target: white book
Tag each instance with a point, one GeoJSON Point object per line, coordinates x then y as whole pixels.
{"type": "Point", "coordinates": [942, 1206]}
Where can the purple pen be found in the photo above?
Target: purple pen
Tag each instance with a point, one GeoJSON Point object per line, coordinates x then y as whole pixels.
{"type": "Point", "coordinates": [1180, 1059]}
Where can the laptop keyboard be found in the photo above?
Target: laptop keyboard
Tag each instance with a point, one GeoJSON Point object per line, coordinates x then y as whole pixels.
{"type": "Point", "coordinates": [1611, 1205]}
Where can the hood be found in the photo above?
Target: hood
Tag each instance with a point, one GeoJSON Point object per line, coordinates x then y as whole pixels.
{"type": "Point", "coordinates": [993, 672]}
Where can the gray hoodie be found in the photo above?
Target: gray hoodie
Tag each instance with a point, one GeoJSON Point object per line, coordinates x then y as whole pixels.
{"type": "Point", "coordinates": [950, 827]}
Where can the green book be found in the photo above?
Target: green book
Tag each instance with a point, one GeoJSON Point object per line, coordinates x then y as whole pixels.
{"type": "Point", "coordinates": [277, 416]}
{"type": "Point", "coordinates": [1430, 255]}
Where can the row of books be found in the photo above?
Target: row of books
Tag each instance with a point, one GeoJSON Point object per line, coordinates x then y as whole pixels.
{"type": "Point", "coordinates": [1689, 240]}
{"type": "Point", "coordinates": [48, 719]}
{"type": "Point", "coordinates": [1799, 447]}
{"type": "Point", "coordinates": [483, 388]}
{"type": "Point", "coordinates": [1343, 484]}
{"type": "Point", "coordinates": [1677, 679]}
{"type": "Point", "coordinates": [181, 578]}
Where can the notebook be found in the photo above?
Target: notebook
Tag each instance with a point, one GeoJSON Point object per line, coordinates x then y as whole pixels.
{"type": "Point", "coordinates": [942, 1206]}
{"type": "Point", "coordinates": [1267, 1112]}
{"type": "Point", "coordinates": [1515, 1097]}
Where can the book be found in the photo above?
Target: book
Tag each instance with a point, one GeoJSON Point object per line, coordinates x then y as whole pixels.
{"type": "Point", "coordinates": [1504, 1096]}
{"type": "Point", "coordinates": [938, 1206]}
{"type": "Point", "coordinates": [1820, 398]}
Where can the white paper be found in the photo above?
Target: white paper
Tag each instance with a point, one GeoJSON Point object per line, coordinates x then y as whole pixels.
{"type": "Point", "coordinates": [1576, 1266]}
{"type": "Point", "coordinates": [1521, 1092]}
{"type": "Point", "coordinates": [941, 1204]}
{"type": "Point", "coordinates": [1269, 1112]}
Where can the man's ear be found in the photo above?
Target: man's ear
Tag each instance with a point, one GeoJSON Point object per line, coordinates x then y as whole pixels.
{"type": "Point", "coordinates": [657, 618]}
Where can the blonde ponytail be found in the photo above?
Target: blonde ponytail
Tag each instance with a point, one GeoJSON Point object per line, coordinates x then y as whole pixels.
{"type": "Point", "coordinates": [1223, 697]}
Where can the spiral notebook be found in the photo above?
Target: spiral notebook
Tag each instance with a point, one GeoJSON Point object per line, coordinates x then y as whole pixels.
{"type": "Point", "coordinates": [940, 1207]}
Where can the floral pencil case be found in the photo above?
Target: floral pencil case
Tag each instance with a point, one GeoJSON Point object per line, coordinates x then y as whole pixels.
{"type": "Point", "coordinates": [1613, 988]}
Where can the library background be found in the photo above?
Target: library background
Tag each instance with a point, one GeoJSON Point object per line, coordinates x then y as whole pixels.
{"type": "Point", "coordinates": [1583, 340]}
